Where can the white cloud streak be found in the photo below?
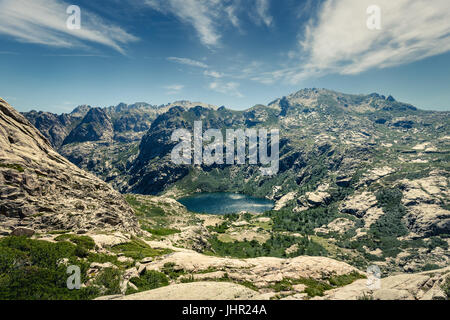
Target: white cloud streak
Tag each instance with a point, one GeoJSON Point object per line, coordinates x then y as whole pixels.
{"type": "Point", "coordinates": [188, 62]}
{"type": "Point", "coordinates": [174, 89]}
{"type": "Point", "coordinates": [262, 11]}
{"type": "Point", "coordinates": [200, 14]}
{"type": "Point", "coordinates": [213, 74]}
{"type": "Point", "coordinates": [210, 17]}
{"type": "Point", "coordinates": [44, 22]}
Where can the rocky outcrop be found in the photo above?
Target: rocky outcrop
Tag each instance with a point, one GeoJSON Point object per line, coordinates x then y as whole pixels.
{"type": "Point", "coordinates": [41, 190]}
{"type": "Point", "coordinates": [421, 286]}
{"type": "Point", "coordinates": [193, 291]}
{"type": "Point", "coordinates": [317, 198]}
{"type": "Point", "coordinates": [359, 204]}
{"type": "Point", "coordinates": [339, 225]}
{"type": "Point", "coordinates": [424, 200]}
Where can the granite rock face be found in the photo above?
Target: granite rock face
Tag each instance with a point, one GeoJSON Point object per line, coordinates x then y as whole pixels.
{"type": "Point", "coordinates": [41, 190]}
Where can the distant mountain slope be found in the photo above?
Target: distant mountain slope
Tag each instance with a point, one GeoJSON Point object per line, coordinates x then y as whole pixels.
{"type": "Point", "coordinates": [40, 189]}
{"type": "Point", "coordinates": [54, 127]}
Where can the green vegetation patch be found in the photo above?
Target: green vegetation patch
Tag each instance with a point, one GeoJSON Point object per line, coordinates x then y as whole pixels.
{"type": "Point", "coordinates": [144, 209]}
{"type": "Point", "coordinates": [33, 270]}
{"type": "Point", "coordinates": [161, 231]}
{"type": "Point", "coordinates": [170, 269]}
{"type": "Point", "coordinates": [138, 249]}
{"type": "Point", "coordinates": [83, 241]}
{"type": "Point", "coordinates": [384, 233]}
{"type": "Point", "coordinates": [345, 279]}
{"type": "Point", "coordinates": [288, 220]}
{"type": "Point", "coordinates": [109, 281]}
{"type": "Point", "coordinates": [317, 287]}
{"type": "Point", "coordinates": [274, 247]}
{"type": "Point", "coordinates": [220, 228]}
{"type": "Point", "coordinates": [390, 224]}
{"type": "Point", "coordinates": [446, 287]}
{"type": "Point", "coordinates": [148, 281]}
{"type": "Point", "coordinates": [313, 287]}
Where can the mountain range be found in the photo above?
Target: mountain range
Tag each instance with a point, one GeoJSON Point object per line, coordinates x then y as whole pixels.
{"type": "Point", "coordinates": [363, 180]}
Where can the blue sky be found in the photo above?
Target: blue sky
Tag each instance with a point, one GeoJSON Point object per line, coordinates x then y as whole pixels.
{"type": "Point", "coordinates": [236, 53]}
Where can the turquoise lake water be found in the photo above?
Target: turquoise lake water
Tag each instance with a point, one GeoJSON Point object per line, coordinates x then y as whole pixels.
{"type": "Point", "coordinates": [225, 203]}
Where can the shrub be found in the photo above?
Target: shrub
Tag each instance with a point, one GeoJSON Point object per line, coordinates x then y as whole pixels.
{"type": "Point", "coordinates": [170, 270]}
{"type": "Point", "coordinates": [148, 281]}
{"type": "Point", "coordinates": [283, 285]}
{"type": "Point", "coordinates": [162, 231]}
{"type": "Point", "coordinates": [109, 279]}
{"type": "Point", "coordinates": [446, 287]}
{"type": "Point", "coordinates": [83, 241]}
{"type": "Point", "coordinates": [435, 242]}
{"type": "Point", "coordinates": [222, 228]}
{"type": "Point", "coordinates": [390, 224]}
{"type": "Point", "coordinates": [345, 279]}
{"type": "Point", "coordinates": [430, 266]}
{"type": "Point", "coordinates": [288, 220]}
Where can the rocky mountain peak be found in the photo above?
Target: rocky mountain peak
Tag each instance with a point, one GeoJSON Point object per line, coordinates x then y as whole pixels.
{"type": "Point", "coordinates": [81, 111]}
{"type": "Point", "coordinates": [95, 126]}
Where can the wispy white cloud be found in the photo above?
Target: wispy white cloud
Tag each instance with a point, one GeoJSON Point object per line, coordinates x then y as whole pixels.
{"type": "Point", "coordinates": [188, 62]}
{"type": "Point", "coordinates": [262, 12]}
{"type": "Point", "coordinates": [338, 40]}
{"type": "Point", "coordinates": [9, 53]}
{"type": "Point", "coordinates": [200, 14]}
{"type": "Point", "coordinates": [210, 17]}
{"type": "Point", "coordinates": [198, 64]}
{"type": "Point", "coordinates": [232, 15]}
{"type": "Point", "coordinates": [213, 74]}
{"type": "Point", "coordinates": [229, 88]}
{"type": "Point", "coordinates": [174, 89]}
{"type": "Point", "coordinates": [77, 55]}
{"type": "Point", "coordinates": [44, 22]}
